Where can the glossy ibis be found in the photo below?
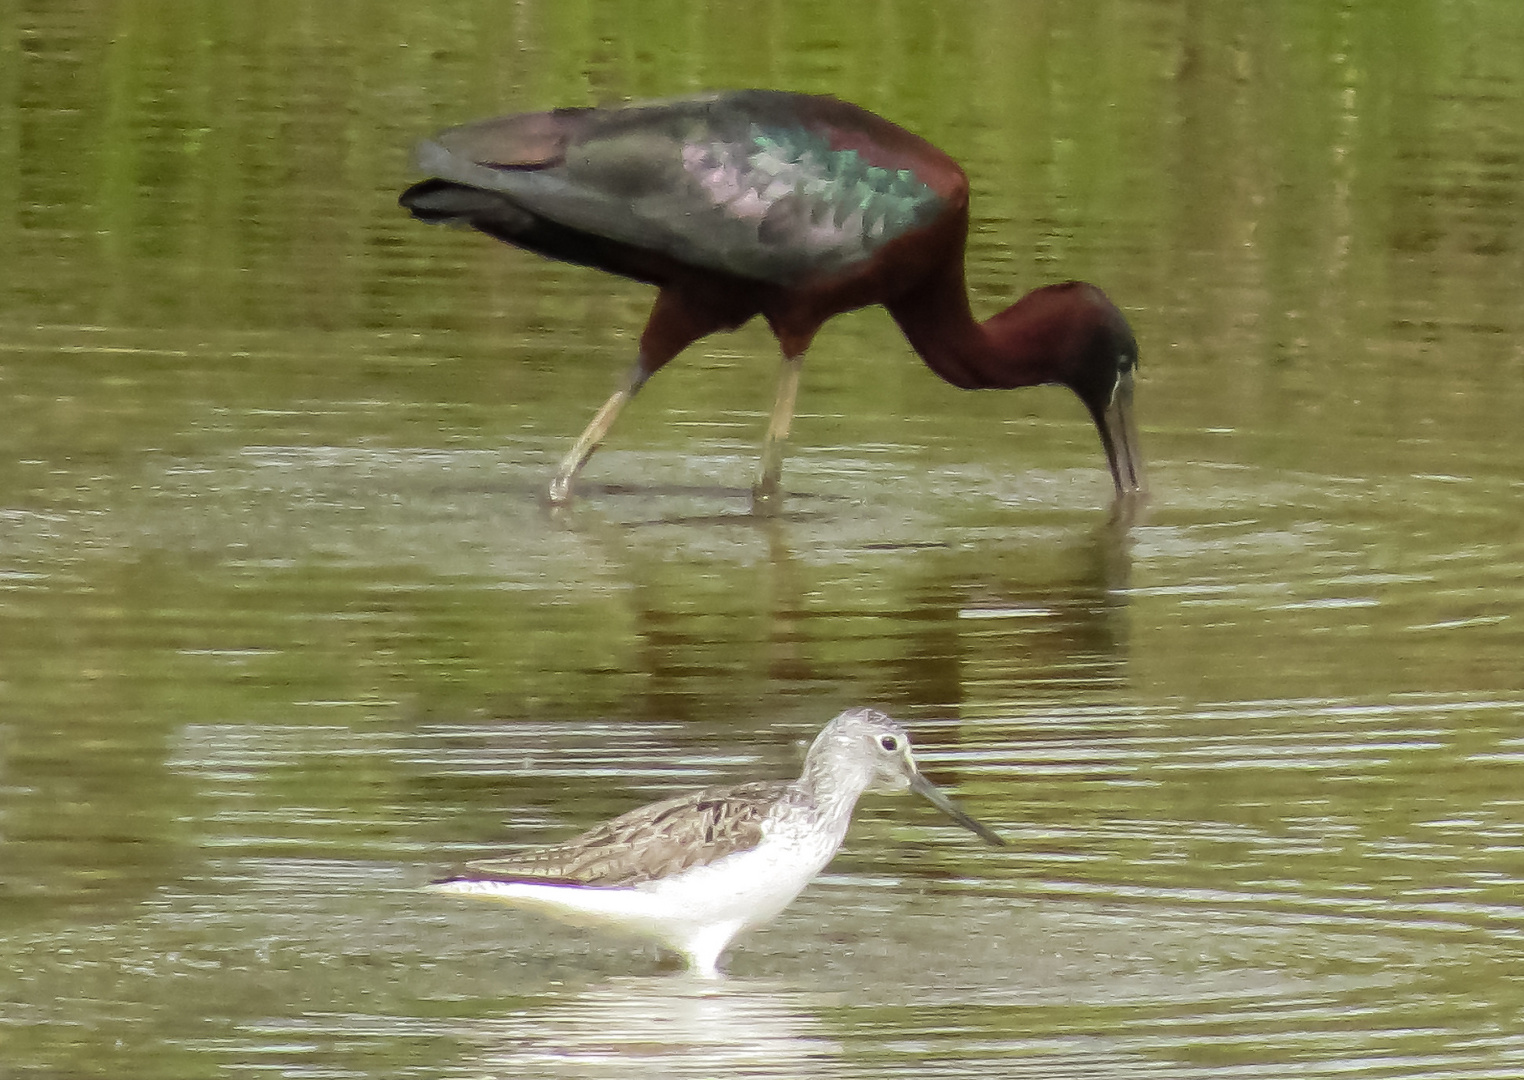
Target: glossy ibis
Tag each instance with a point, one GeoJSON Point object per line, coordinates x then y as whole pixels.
{"type": "Point", "coordinates": [788, 206]}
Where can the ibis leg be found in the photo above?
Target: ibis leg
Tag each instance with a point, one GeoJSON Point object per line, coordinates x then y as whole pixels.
{"type": "Point", "coordinates": [765, 493]}
{"type": "Point", "coordinates": [592, 435]}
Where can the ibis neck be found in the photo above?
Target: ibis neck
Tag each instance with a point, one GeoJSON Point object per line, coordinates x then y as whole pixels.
{"type": "Point", "coordinates": [936, 319]}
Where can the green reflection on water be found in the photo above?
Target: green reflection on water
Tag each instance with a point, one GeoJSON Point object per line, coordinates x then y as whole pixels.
{"type": "Point", "coordinates": [281, 617]}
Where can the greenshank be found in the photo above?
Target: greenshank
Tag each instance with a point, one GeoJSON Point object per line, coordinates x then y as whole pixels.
{"type": "Point", "coordinates": [692, 872]}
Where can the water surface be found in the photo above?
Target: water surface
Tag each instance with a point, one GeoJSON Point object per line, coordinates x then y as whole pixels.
{"type": "Point", "coordinates": [285, 625]}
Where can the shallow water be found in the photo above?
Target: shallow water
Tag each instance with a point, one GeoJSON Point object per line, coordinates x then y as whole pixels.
{"type": "Point", "coordinates": [285, 625]}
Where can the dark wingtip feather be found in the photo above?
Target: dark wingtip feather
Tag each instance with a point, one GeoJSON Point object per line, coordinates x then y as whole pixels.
{"type": "Point", "coordinates": [444, 202]}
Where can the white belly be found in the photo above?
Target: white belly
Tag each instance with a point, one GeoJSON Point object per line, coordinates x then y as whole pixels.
{"type": "Point", "coordinates": [695, 912]}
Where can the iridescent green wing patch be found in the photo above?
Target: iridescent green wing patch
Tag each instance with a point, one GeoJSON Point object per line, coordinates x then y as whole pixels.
{"type": "Point", "coordinates": [792, 206]}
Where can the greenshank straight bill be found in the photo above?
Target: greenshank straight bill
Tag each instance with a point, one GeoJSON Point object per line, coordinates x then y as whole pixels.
{"type": "Point", "coordinates": [694, 871]}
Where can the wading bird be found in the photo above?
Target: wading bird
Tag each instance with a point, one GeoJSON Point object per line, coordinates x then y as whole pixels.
{"type": "Point", "coordinates": [694, 871]}
{"type": "Point", "coordinates": [788, 206]}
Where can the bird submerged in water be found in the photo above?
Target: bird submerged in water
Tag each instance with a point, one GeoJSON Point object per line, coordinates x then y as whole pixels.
{"type": "Point", "coordinates": [694, 871]}
{"type": "Point", "coordinates": [789, 206]}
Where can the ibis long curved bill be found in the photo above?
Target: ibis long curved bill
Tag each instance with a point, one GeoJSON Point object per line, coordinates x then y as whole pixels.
{"type": "Point", "coordinates": [1119, 438]}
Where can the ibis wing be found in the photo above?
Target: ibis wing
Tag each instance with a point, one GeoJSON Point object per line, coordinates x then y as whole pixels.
{"type": "Point", "coordinates": [738, 183]}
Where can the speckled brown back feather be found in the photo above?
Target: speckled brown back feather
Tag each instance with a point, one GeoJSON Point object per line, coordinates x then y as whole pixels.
{"type": "Point", "coordinates": [647, 843]}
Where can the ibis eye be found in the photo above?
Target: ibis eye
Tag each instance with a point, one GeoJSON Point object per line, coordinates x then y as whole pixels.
{"type": "Point", "coordinates": [889, 743]}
